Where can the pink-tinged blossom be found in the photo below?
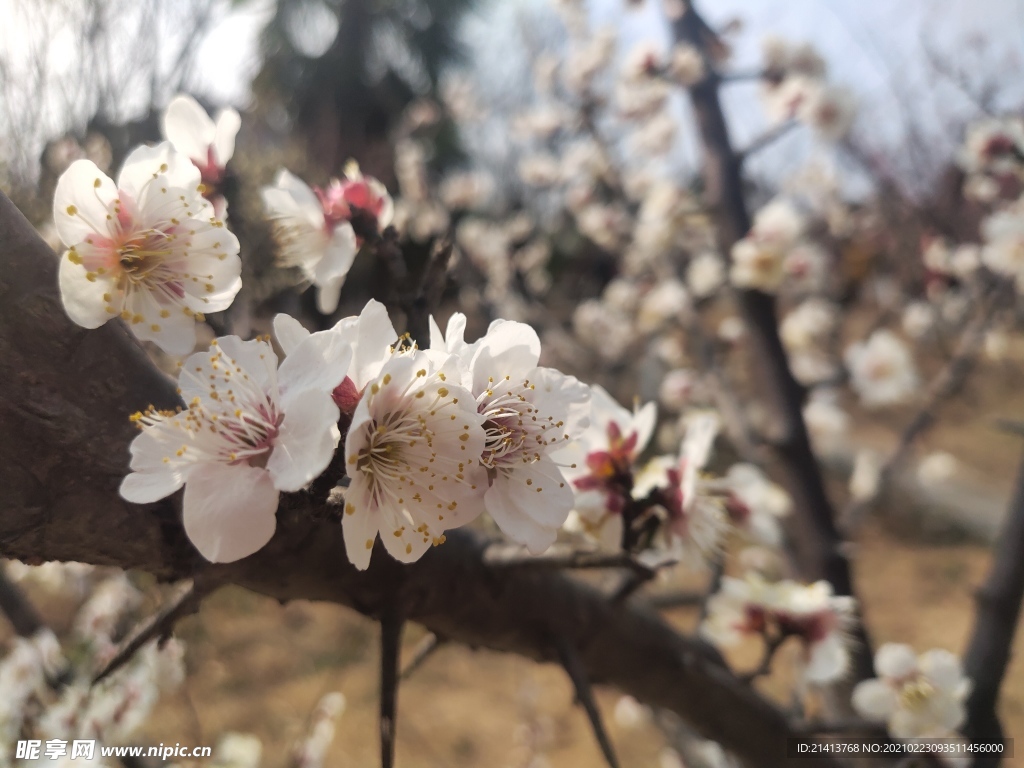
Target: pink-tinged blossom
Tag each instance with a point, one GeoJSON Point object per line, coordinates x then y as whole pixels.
{"type": "Point", "coordinates": [694, 521]}
{"type": "Point", "coordinates": [528, 413]}
{"type": "Point", "coordinates": [209, 144]}
{"type": "Point", "coordinates": [811, 613]}
{"type": "Point", "coordinates": [600, 464]}
{"type": "Point", "coordinates": [251, 429]}
{"type": "Point", "coordinates": [314, 231]}
{"type": "Point", "coordinates": [148, 249]}
{"type": "Point", "coordinates": [754, 503]}
{"type": "Point", "coordinates": [413, 453]}
{"type": "Point", "coordinates": [916, 696]}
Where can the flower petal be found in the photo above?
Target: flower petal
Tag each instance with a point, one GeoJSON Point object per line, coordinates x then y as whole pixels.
{"type": "Point", "coordinates": [230, 510]}
{"type": "Point", "coordinates": [80, 206]}
{"type": "Point", "coordinates": [327, 296]}
{"type": "Point", "coordinates": [84, 299]}
{"type": "Point", "coordinates": [874, 700]}
{"type": "Point", "coordinates": [359, 523]}
{"type": "Point", "coordinates": [306, 441]}
{"type": "Point", "coordinates": [147, 487]}
{"type": "Point", "coordinates": [895, 660]}
{"type": "Point", "coordinates": [187, 126]}
{"type": "Point", "coordinates": [167, 326]}
{"type": "Point", "coordinates": [228, 123]}
{"type": "Point", "coordinates": [289, 332]}
{"type": "Point", "coordinates": [519, 527]}
{"type": "Point", "coordinates": [370, 334]}
{"type": "Point", "coordinates": [338, 258]}
{"type": "Point", "coordinates": [145, 163]}
{"type": "Point", "coordinates": [827, 660]}
{"type": "Point", "coordinates": [510, 348]}
{"type": "Point", "coordinates": [942, 668]}
{"type": "Point", "coordinates": [320, 362]}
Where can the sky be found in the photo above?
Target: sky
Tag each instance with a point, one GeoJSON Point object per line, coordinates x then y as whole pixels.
{"type": "Point", "coordinates": [873, 46]}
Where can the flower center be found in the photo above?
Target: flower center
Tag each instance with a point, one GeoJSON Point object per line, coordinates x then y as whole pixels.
{"type": "Point", "coordinates": [916, 694]}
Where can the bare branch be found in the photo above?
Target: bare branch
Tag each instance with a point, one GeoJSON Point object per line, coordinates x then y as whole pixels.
{"type": "Point", "coordinates": [391, 624]}
{"type": "Point", "coordinates": [995, 624]}
{"type": "Point", "coordinates": [585, 694]}
{"type": "Point", "coordinates": [160, 625]}
{"type": "Point", "coordinates": [423, 651]}
{"type": "Point", "coordinates": [817, 543]}
{"type": "Point", "coordinates": [766, 139]}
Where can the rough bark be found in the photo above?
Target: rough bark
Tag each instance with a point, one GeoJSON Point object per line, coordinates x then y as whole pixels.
{"type": "Point", "coordinates": [65, 397]}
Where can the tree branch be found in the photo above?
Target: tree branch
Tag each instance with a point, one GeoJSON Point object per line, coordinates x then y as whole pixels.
{"type": "Point", "coordinates": [65, 397]}
{"type": "Point", "coordinates": [998, 612]}
{"type": "Point", "coordinates": [18, 609]}
{"type": "Point", "coordinates": [816, 540]}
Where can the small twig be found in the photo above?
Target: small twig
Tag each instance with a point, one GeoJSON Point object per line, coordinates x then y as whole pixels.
{"type": "Point", "coordinates": [574, 667]}
{"type": "Point", "coordinates": [423, 651]}
{"type": "Point", "coordinates": [765, 139]}
{"type": "Point", "coordinates": [512, 556]}
{"type": "Point", "coordinates": [161, 625]}
{"type": "Point", "coordinates": [391, 624]}
{"type": "Point", "coordinates": [743, 77]}
{"type": "Point", "coordinates": [16, 606]}
{"type": "Point", "coordinates": [1010, 426]}
{"type": "Point", "coordinates": [771, 645]}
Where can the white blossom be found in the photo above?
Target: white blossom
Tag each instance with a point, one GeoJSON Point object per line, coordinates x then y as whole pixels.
{"type": "Point", "coordinates": [250, 430]}
{"type": "Point", "coordinates": [882, 370]}
{"type": "Point", "coordinates": [809, 612]}
{"type": "Point", "coordinates": [208, 144]}
{"type": "Point", "coordinates": [754, 503]}
{"type": "Point", "coordinates": [599, 463]}
{"type": "Point", "coordinates": [916, 696]}
{"type": "Point", "coordinates": [413, 453]}
{"type": "Point", "coordinates": [313, 227]}
{"type": "Point", "coordinates": [147, 249]}
{"type": "Point", "coordinates": [705, 274]}
{"type": "Point", "coordinates": [528, 412]}
{"type": "Point", "coordinates": [1004, 245]}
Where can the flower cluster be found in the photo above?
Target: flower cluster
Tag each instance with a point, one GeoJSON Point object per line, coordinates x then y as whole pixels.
{"type": "Point", "coordinates": [433, 436]}
{"type": "Point", "coordinates": [314, 227]}
{"type": "Point", "coordinates": [777, 610]}
{"type": "Point", "coordinates": [794, 87]}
